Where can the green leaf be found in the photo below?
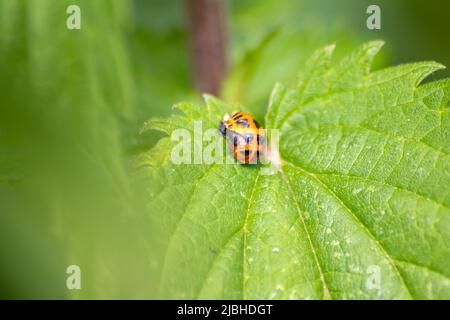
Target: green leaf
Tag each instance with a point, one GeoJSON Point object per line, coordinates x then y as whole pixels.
{"type": "Point", "coordinates": [360, 208]}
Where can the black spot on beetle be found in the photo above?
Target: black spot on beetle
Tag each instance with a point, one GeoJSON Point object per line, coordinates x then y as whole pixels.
{"type": "Point", "coordinates": [235, 141]}
{"type": "Point", "coordinates": [223, 128]}
{"type": "Point", "coordinates": [248, 137]}
{"type": "Point", "coordinates": [238, 116]}
{"type": "Point", "coordinates": [258, 138]}
{"type": "Point", "coordinates": [244, 123]}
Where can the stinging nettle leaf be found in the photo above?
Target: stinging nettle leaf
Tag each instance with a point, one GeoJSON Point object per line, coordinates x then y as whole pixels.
{"type": "Point", "coordinates": [360, 208]}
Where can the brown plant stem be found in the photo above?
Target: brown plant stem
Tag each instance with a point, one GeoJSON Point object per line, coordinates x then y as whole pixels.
{"type": "Point", "coordinates": [208, 37]}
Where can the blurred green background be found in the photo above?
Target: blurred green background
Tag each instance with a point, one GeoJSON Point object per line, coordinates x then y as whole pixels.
{"type": "Point", "coordinates": [72, 104]}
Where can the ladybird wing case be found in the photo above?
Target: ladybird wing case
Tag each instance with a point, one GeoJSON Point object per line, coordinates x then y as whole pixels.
{"type": "Point", "coordinates": [245, 136]}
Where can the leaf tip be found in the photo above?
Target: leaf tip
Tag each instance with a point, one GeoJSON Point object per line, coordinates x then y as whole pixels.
{"type": "Point", "coordinates": [424, 69]}
{"type": "Point", "coordinates": [145, 127]}
{"type": "Point", "coordinates": [214, 104]}
{"type": "Point", "coordinates": [209, 99]}
{"type": "Point", "coordinates": [438, 66]}
{"type": "Point", "coordinates": [330, 48]}
{"type": "Point", "coordinates": [434, 66]}
{"type": "Point", "coordinates": [373, 47]}
{"type": "Point", "coordinates": [184, 107]}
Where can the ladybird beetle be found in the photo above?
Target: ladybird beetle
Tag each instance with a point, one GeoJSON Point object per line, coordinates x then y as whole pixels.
{"type": "Point", "coordinates": [245, 137]}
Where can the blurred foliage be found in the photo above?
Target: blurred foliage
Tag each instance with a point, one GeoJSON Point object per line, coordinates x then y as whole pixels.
{"type": "Point", "coordinates": [413, 30]}
{"type": "Point", "coordinates": [68, 199]}
{"type": "Point", "coordinates": [72, 104]}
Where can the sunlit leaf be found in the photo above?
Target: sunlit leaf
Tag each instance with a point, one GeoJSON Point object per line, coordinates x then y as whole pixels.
{"type": "Point", "coordinates": [360, 208]}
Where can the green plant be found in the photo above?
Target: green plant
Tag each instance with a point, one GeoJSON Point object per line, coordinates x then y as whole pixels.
{"type": "Point", "coordinates": [363, 188]}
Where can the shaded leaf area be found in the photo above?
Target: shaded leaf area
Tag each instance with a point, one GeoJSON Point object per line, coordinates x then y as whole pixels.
{"type": "Point", "coordinates": [362, 191]}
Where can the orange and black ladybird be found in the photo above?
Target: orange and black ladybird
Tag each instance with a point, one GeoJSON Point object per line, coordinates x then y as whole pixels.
{"type": "Point", "coordinates": [246, 138]}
